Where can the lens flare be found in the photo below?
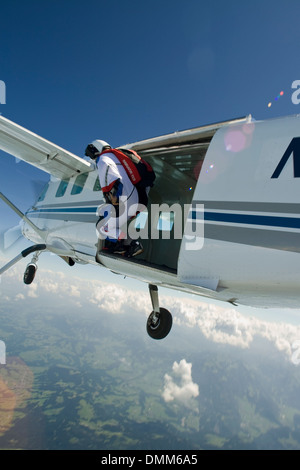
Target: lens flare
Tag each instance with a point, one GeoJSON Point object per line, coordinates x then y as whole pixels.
{"type": "Point", "coordinates": [276, 99]}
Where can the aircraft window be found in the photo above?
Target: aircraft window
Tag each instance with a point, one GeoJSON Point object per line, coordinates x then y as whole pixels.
{"type": "Point", "coordinates": [79, 183]}
{"type": "Point", "coordinates": [97, 186]}
{"type": "Point", "coordinates": [166, 221]}
{"type": "Point", "coordinates": [62, 188]}
{"type": "Point", "coordinates": [43, 193]}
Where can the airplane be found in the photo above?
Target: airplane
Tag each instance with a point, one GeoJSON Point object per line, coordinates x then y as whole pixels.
{"type": "Point", "coordinates": [232, 188]}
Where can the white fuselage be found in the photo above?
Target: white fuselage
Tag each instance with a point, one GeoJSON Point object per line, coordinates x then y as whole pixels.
{"type": "Point", "coordinates": [246, 199]}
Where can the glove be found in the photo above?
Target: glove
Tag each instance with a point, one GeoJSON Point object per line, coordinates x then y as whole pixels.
{"type": "Point", "coordinates": [117, 189]}
{"type": "Point", "coordinates": [115, 193]}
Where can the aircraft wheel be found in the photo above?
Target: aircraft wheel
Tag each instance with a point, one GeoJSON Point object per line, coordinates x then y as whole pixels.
{"type": "Point", "coordinates": [29, 273]}
{"type": "Point", "coordinates": [159, 324]}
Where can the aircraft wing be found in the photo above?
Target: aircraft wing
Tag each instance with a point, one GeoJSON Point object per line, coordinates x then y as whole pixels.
{"type": "Point", "coordinates": [39, 152]}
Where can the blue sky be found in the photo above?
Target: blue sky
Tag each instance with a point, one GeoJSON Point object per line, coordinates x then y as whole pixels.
{"type": "Point", "coordinates": [126, 70]}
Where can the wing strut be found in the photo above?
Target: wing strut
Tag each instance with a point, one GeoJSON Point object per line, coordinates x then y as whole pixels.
{"type": "Point", "coordinates": [23, 254]}
{"type": "Point", "coordinates": [40, 232]}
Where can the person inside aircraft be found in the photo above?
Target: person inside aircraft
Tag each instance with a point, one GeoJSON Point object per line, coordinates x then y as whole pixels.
{"type": "Point", "coordinates": [116, 188]}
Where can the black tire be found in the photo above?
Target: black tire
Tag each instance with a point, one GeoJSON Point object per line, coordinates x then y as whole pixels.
{"type": "Point", "coordinates": [29, 274]}
{"type": "Point", "coordinates": [162, 327]}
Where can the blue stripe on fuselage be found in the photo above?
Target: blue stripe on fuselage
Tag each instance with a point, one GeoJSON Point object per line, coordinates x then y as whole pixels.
{"type": "Point", "coordinates": [230, 218]}
{"type": "Point", "coordinates": [65, 210]}
{"type": "Point", "coordinates": [249, 219]}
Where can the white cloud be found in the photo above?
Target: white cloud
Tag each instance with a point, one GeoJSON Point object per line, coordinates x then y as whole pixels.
{"type": "Point", "coordinates": [185, 390]}
{"type": "Point", "coordinates": [220, 325]}
{"type": "Point", "coordinates": [125, 361]}
{"type": "Point", "coordinates": [116, 300]}
{"type": "Point", "coordinates": [20, 296]}
{"type": "Point", "coordinates": [32, 291]}
{"type": "Point", "coordinates": [74, 291]}
{"type": "Point", "coordinates": [49, 286]}
{"type": "Point", "coordinates": [229, 326]}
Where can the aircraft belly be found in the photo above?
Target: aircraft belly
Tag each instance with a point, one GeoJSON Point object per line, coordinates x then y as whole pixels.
{"type": "Point", "coordinates": [248, 275]}
{"type": "Point", "coordinates": [151, 275]}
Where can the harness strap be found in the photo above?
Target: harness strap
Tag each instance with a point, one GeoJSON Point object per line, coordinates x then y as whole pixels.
{"type": "Point", "coordinates": [127, 163]}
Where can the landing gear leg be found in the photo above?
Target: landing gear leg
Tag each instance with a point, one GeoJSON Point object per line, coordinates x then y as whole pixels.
{"type": "Point", "coordinates": [23, 254]}
{"type": "Point", "coordinates": [31, 269]}
{"type": "Point", "coordinates": [153, 290]}
{"type": "Point", "coordinates": [159, 322]}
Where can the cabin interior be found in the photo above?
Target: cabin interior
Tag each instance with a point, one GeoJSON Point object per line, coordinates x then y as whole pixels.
{"type": "Point", "coordinates": [177, 170]}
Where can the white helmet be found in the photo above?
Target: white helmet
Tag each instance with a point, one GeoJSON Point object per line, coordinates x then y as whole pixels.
{"type": "Point", "coordinates": [100, 145]}
{"type": "Point", "coordinates": [94, 149]}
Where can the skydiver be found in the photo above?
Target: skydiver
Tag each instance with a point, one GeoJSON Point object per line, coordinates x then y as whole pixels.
{"type": "Point", "coordinates": [116, 187]}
